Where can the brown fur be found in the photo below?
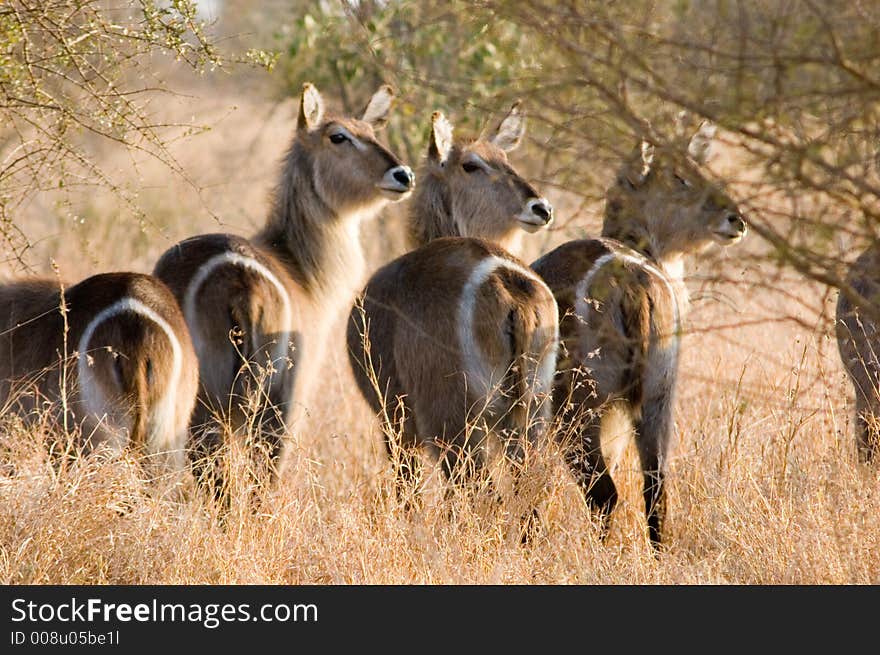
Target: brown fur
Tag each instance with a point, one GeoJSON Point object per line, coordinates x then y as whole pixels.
{"type": "Point", "coordinates": [620, 340]}
{"type": "Point", "coordinates": [404, 340]}
{"type": "Point", "coordinates": [310, 244]}
{"type": "Point", "coordinates": [858, 339]}
{"type": "Point", "coordinates": [410, 321]}
{"type": "Point", "coordinates": [129, 358]}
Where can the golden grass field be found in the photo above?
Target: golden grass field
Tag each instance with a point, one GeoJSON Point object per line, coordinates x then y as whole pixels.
{"type": "Point", "coordinates": [764, 485]}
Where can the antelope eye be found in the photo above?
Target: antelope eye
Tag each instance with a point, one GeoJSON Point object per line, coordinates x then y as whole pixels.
{"type": "Point", "coordinates": [711, 204]}
{"type": "Point", "coordinates": [338, 137]}
{"type": "Point", "coordinates": [683, 182]}
{"type": "Point", "coordinates": [469, 167]}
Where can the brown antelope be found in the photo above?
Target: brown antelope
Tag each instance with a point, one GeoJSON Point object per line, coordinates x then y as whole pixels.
{"type": "Point", "coordinates": [118, 363]}
{"type": "Point", "coordinates": [858, 339]}
{"type": "Point", "coordinates": [258, 309]}
{"type": "Point", "coordinates": [622, 300]}
{"type": "Point", "coordinates": [459, 333]}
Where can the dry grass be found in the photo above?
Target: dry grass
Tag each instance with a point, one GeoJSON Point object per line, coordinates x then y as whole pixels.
{"type": "Point", "coordinates": [764, 484]}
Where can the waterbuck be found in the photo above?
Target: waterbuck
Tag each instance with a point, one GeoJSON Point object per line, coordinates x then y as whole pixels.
{"type": "Point", "coordinates": [457, 339]}
{"type": "Point", "coordinates": [110, 356]}
{"type": "Point", "coordinates": [858, 339]}
{"type": "Point", "coordinates": [258, 309]}
{"type": "Point", "coordinates": [622, 300]}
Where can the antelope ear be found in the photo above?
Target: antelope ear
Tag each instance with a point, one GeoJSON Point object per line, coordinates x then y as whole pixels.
{"type": "Point", "coordinates": [511, 130]}
{"type": "Point", "coordinates": [638, 166]}
{"type": "Point", "coordinates": [311, 108]}
{"type": "Point", "coordinates": [681, 126]}
{"type": "Point", "coordinates": [377, 109]}
{"type": "Point", "coordinates": [440, 141]}
{"type": "Point", "coordinates": [700, 146]}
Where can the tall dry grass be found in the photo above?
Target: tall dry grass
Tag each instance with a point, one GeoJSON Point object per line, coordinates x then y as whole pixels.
{"type": "Point", "coordinates": [764, 482]}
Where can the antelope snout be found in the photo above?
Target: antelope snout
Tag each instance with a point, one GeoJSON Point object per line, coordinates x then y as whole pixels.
{"type": "Point", "coordinates": [538, 213]}
{"type": "Point", "coordinates": [542, 209]}
{"type": "Point", "coordinates": [397, 182]}
{"type": "Point", "coordinates": [731, 229]}
{"type": "Point", "coordinates": [736, 222]}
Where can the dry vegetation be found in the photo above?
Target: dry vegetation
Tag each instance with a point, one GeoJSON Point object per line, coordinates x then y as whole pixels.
{"type": "Point", "coordinates": [764, 484]}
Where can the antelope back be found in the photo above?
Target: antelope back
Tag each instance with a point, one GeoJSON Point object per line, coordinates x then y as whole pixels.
{"type": "Point", "coordinates": [858, 331]}
{"type": "Point", "coordinates": [123, 358]}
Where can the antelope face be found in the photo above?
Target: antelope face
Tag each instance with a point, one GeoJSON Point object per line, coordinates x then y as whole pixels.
{"type": "Point", "coordinates": [487, 197]}
{"type": "Point", "coordinates": [349, 167]}
{"type": "Point", "coordinates": [706, 214]}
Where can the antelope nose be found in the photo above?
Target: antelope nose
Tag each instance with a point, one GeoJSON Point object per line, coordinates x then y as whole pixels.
{"type": "Point", "coordinates": [736, 222]}
{"type": "Point", "coordinates": [404, 175]}
{"type": "Point", "coordinates": [397, 182]}
{"type": "Point", "coordinates": [542, 209]}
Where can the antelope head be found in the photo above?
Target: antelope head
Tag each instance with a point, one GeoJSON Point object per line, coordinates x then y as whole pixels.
{"type": "Point", "coordinates": [665, 207]}
{"type": "Point", "coordinates": [349, 167]}
{"type": "Point", "coordinates": [472, 184]}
